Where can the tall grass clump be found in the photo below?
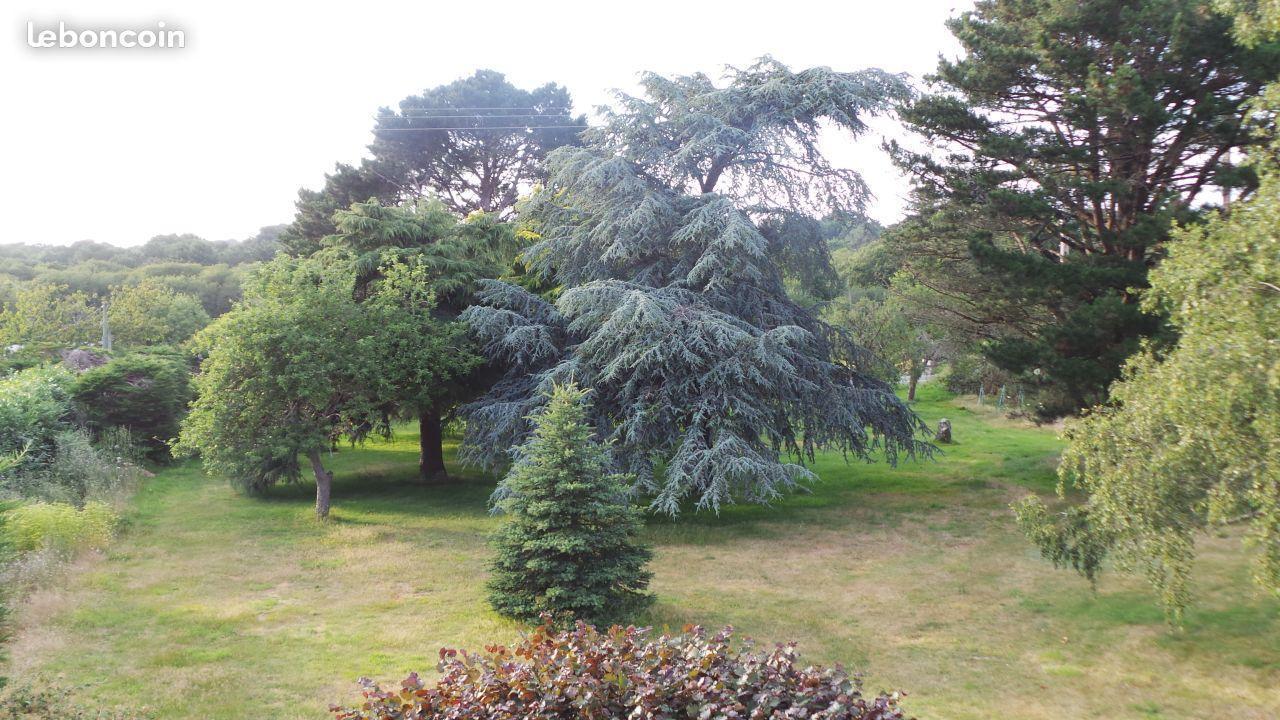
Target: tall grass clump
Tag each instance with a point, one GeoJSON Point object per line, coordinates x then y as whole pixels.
{"type": "Point", "coordinates": [59, 527]}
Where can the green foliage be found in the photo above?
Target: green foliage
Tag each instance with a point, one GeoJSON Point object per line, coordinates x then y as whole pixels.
{"type": "Point", "coordinates": [670, 304]}
{"type": "Point", "coordinates": [879, 324]}
{"type": "Point", "coordinates": [1067, 142]}
{"type": "Point", "coordinates": [42, 454]}
{"type": "Point", "coordinates": [440, 142]}
{"type": "Point", "coordinates": [450, 256]}
{"type": "Point", "coordinates": [1066, 540]}
{"type": "Point", "coordinates": [60, 527]}
{"type": "Point", "coordinates": [1192, 436]}
{"type": "Point", "coordinates": [290, 370]}
{"type": "Point", "coordinates": [217, 286]}
{"type": "Point", "coordinates": [569, 549]}
{"type": "Point", "coordinates": [869, 265]}
{"type": "Point", "coordinates": [48, 313]}
{"type": "Point", "coordinates": [12, 460]}
{"type": "Point", "coordinates": [935, 278]}
{"type": "Point", "coordinates": [321, 348]}
{"type": "Point", "coordinates": [25, 261]}
{"type": "Point", "coordinates": [344, 187]}
{"type": "Point", "coordinates": [852, 232]}
{"type": "Point", "coordinates": [1257, 21]}
{"type": "Point", "coordinates": [28, 356]}
{"type": "Point", "coordinates": [754, 138]}
{"type": "Point", "coordinates": [419, 268]}
{"type": "Point", "coordinates": [78, 473]}
{"type": "Point", "coordinates": [474, 144]}
{"type": "Point", "coordinates": [118, 442]}
{"type": "Point", "coordinates": [35, 406]}
{"type": "Point", "coordinates": [144, 392]}
{"type": "Point", "coordinates": [209, 270]}
{"type": "Point", "coordinates": [970, 371]}
{"type": "Point", "coordinates": [624, 673]}
{"type": "Point", "coordinates": [74, 472]}
{"type": "Point", "coordinates": [151, 313]}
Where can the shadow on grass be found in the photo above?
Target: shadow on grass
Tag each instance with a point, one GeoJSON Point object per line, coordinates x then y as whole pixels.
{"type": "Point", "coordinates": [380, 476]}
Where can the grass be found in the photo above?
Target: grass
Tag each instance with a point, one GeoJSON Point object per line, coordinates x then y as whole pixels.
{"type": "Point", "coordinates": [215, 605]}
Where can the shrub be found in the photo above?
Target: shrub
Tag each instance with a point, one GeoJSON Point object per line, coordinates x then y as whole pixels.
{"type": "Point", "coordinates": [81, 473]}
{"type": "Point", "coordinates": [969, 371]}
{"type": "Point", "coordinates": [569, 548]}
{"type": "Point", "coordinates": [34, 407]}
{"type": "Point", "coordinates": [623, 673]}
{"type": "Point", "coordinates": [42, 312]}
{"type": "Point", "coordinates": [116, 443]}
{"type": "Point", "coordinates": [14, 358]}
{"type": "Point", "coordinates": [59, 526]}
{"type": "Point", "coordinates": [152, 313]}
{"type": "Point", "coordinates": [77, 473]}
{"type": "Point", "coordinates": [144, 392]}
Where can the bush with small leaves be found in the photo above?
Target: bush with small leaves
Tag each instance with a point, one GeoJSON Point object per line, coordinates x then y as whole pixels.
{"type": "Point", "coordinates": [624, 673]}
{"type": "Point", "coordinates": [144, 392]}
{"type": "Point", "coordinates": [35, 406]}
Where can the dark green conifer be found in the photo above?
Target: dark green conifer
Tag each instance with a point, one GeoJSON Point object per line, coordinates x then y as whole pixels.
{"type": "Point", "coordinates": [569, 548]}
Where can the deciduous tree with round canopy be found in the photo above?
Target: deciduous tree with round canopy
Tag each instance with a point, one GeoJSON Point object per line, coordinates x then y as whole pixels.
{"type": "Point", "coordinates": [152, 313]}
{"type": "Point", "coordinates": [423, 248]}
{"type": "Point", "coordinates": [301, 364]}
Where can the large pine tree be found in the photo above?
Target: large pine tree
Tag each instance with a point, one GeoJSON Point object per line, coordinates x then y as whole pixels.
{"type": "Point", "coordinates": [475, 144]}
{"type": "Point", "coordinates": [1068, 141]}
{"type": "Point", "coordinates": [670, 304]}
{"type": "Point", "coordinates": [569, 549]}
{"type": "Point", "coordinates": [1190, 440]}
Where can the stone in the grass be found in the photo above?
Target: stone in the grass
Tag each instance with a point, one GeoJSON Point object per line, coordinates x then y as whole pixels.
{"type": "Point", "coordinates": [944, 431]}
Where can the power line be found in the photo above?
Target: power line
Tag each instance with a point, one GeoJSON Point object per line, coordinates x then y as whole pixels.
{"type": "Point", "coordinates": [478, 117]}
{"type": "Point", "coordinates": [433, 109]}
{"type": "Point", "coordinates": [481, 127]}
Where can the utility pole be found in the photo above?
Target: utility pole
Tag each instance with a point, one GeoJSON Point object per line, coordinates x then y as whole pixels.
{"type": "Point", "coordinates": [106, 328]}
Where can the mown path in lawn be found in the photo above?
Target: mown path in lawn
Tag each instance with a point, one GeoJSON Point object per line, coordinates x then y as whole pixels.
{"type": "Point", "coordinates": [215, 605]}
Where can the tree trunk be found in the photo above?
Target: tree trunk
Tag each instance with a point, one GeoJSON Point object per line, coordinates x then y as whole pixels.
{"type": "Point", "coordinates": [913, 379]}
{"type": "Point", "coordinates": [430, 446]}
{"type": "Point", "coordinates": [324, 484]}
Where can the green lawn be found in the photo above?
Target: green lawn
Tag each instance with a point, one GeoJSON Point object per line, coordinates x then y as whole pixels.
{"type": "Point", "coordinates": [215, 605]}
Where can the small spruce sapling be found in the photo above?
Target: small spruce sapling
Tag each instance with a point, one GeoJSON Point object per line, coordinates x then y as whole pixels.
{"type": "Point", "coordinates": [570, 547]}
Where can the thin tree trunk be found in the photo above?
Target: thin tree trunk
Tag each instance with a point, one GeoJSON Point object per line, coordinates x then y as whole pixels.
{"type": "Point", "coordinates": [324, 484]}
{"type": "Point", "coordinates": [431, 446]}
{"type": "Point", "coordinates": [913, 380]}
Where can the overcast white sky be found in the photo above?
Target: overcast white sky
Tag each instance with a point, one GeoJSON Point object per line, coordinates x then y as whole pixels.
{"type": "Point", "coordinates": [216, 138]}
